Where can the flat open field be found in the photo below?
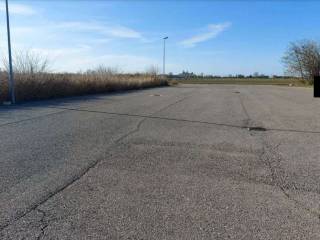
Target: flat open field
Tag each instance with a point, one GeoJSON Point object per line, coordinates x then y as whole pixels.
{"type": "Point", "coordinates": [246, 81]}
{"type": "Point", "coordinates": [185, 162]}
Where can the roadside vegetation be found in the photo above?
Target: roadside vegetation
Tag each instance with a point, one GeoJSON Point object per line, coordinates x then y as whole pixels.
{"type": "Point", "coordinates": [35, 81]}
{"type": "Point", "coordinates": [245, 81]}
{"type": "Point", "coordinates": [254, 79]}
{"type": "Point", "coordinates": [301, 62]}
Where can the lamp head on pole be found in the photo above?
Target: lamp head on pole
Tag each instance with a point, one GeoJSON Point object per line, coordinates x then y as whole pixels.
{"type": "Point", "coordinates": [165, 38]}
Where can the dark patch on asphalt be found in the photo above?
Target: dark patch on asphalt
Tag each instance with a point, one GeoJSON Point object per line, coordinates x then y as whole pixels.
{"type": "Point", "coordinates": [258, 129]}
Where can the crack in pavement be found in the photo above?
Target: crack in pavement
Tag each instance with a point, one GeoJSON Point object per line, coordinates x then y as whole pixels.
{"type": "Point", "coordinates": [81, 173]}
{"type": "Point", "coordinates": [43, 225]}
{"type": "Point", "coordinates": [244, 126]}
{"type": "Point", "coordinates": [99, 103]}
{"type": "Point", "coordinates": [136, 129]}
{"type": "Point", "coordinates": [33, 118]}
{"type": "Point", "coordinates": [247, 121]}
{"type": "Point", "coordinates": [272, 159]}
{"type": "Point", "coordinates": [146, 118]}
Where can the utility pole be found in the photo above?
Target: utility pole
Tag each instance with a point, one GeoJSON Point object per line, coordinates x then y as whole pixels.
{"type": "Point", "coordinates": [11, 79]}
{"type": "Point", "coordinates": [164, 55]}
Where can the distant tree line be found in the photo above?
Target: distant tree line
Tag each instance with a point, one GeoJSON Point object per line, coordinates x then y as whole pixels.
{"type": "Point", "coordinates": [301, 60]}
{"type": "Point", "coordinates": [191, 75]}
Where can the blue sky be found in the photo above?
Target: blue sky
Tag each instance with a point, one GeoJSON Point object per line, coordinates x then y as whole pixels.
{"type": "Point", "coordinates": [210, 37]}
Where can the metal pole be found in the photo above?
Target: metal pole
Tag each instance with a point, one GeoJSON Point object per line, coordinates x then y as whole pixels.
{"type": "Point", "coordinates": [164, 55]}
{"type": "Point", "coordinates": [11, 80]}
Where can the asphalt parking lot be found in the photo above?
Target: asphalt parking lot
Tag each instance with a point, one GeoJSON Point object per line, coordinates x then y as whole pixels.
{"type": "Point", "coordinates": [186, 162]}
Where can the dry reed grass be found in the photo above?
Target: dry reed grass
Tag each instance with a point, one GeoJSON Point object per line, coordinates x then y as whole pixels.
{"type": "Point", "coordinates": [38, 86]}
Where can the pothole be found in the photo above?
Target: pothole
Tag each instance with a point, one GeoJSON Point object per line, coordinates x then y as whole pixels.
{"type": "Point", "coordinates": [258, 129]}
{"type": "Point", "coordinates": [236, 92]}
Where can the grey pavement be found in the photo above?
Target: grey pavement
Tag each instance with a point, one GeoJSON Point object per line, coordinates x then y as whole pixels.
{"type": "Point", "coordinates": [186, 162]}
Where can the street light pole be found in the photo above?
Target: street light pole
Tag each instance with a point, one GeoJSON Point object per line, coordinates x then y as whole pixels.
{"type": "Point", "coordinates": [11, 80]}
{"type": "Point", "coordinates": [164, 55]}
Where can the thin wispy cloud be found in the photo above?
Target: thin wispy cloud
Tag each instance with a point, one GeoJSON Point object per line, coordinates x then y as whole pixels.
{"type": "Point", "coordinates": [104, 29]}
{"type": "Point", "coordinates": [60, 39]}
{"type": "Point", "coordinates": [95, 32]}
{"type": "Point", "coordinates": [124, 32]}
{"type": "Point", "coordinates": [212, 31]}
{"type": "Point", "coordinates": [18, 9]}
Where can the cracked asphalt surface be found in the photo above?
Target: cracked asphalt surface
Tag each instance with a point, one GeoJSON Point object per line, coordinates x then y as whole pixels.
{"type": "Point", "coordinates": [186, 162]}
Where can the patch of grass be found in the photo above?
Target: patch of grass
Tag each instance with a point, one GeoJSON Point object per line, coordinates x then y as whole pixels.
{"type": "Point", "coordinates": [38, 86]}
{"type": "Point", "coordinates": [245, 81]}
{"type": "Point", "coordinates": [173, 82]}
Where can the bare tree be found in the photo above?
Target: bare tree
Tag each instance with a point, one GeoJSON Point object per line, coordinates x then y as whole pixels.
{"type": "Point", "coordinates": [104, 70]}
{"type": "Point", "coordinates": [303, 59]}
{"type": "Point", "coordinates": [28, 62]}
{"type": "Point", "coordinates": [152, 70]}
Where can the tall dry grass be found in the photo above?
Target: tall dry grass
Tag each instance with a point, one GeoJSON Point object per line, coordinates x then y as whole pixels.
{"type": "Point", "coordinates": [33, 80]}
{"type": "Point", "coordinates": [54, 85]}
